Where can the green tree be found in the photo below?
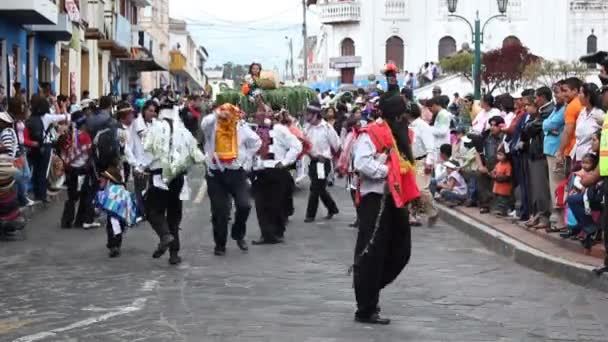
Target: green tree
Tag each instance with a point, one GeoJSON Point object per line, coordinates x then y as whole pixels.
{"type": "Point", "coordinates": [460, 63]}
{"type": "Point", "coordinates": [547, 73]}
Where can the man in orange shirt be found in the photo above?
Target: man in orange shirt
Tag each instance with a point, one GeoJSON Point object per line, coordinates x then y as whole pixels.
{"type": "Point", "coordinates": [570, 90]}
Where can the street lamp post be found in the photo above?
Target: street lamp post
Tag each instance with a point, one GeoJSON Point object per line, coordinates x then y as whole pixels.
{"type": "Point", "coordinates": [477, 32]}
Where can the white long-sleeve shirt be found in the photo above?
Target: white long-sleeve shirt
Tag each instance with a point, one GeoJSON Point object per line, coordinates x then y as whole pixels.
{"type": "Point", "coordinates": [424, 140]}
{"type": "Point", "coordinates": [248, 144]}
{"type": "Point", "coordinates": [372, 173]}
{"type": "Point", "coordinates": [441, 129]}
{"type": "Point", "coordinates": [285, 146]}
{"type": "Point", "coordinates": [323, 138]}
{"type": "Point", "coordinates": [138, 130]}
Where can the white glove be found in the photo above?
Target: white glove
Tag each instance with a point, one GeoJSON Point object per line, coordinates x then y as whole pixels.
{"type": "Point", "coordinates": [381, 158]}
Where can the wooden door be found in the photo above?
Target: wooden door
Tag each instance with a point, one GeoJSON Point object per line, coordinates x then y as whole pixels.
{"type": "Point", "coordinates": [65, 73]}
{"type": "Point", "coordinates": [395, 51]}
{"type": "Point", "coordinates": [84, 72]}
{"type": "Point", "coordinates": [347, 75]}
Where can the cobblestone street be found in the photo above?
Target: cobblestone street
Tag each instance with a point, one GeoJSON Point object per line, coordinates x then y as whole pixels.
{"type": "Point", "coordinates": [59, 285]}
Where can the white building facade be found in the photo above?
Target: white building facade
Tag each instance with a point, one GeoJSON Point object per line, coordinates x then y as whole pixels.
{"type": "Point", "coordinates": [359, 36]}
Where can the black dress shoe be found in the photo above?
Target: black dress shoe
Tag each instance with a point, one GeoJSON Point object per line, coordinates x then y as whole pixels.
{"type": "Point", "coordinates": [242, 245]}
{"type": "Point", "coordinates": [331, 215]}
{"type": "Point", "coordinates": [165, 241]}
{"type": "Point", "coordinates": [373, 319]}
{"type": "Point", "coordinates": [175, 259]}
{"type": "Point", "coordinates": [354, 224]}
{"type": "Point", "coordinates": [219, 251]}
{"type": "Point", "coordinates": [309, 220]}
{"type": "Point", "coordinates": [114, 252]}
{"type": "Point", "coordinates": [263, 241]}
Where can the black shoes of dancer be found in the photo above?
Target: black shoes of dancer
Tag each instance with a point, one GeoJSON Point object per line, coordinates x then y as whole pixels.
{"type": "Point", "coordinates": [114, 252]}
{"type": "Point", "coordinates": [263, 241]}
{"type": "Point", "coordinates": [174, 258]}
{"type": "Point", "coordinates": [328, 217]}
{"type": "Point", "coordinates": [221, 251]}
{"type": "Point", "coordinates": [373, 319]}
{"type": "Point", "coordinates": [242, 245]}
{"type": "Point", "coordinates": [165, 241]}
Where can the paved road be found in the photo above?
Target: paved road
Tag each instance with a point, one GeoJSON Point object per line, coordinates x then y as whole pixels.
{"type": "Point", "coordinates": [59, 285]}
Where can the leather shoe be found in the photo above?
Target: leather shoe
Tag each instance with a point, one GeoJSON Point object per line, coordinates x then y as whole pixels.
{"type": "Point", "coordinates": [114, 252]}
{"type": "Point", "coordinates": [331, 215]}
{"type": "Point", "coordinates": [263, 241]}
{"type": "Point", "coordinates": [373, 319]}
{"type": "Point", "coordinates": [309, 220]}
{"type": "Point", "coordinates": [219, 251]}
{"type": "Point", "coordinates": [175, 259]}
{"type": "Point", "coordinates": [165, 241]}
{"type": "Point", "coordinates": [242, 245]}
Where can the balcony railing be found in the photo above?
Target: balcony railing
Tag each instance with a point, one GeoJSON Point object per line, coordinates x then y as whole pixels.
{"type": "Point", "coordinates": [143, 40]}
{"type": "Point", "coordinates": [123, 31]}
{"type": "Point", "coordinates": [62, 31]}
{"type": "Point", "coordinates": [94, 16]}
{"type": "Point", "coordinates": [340, 12]}
{"type": "Point", "coordinates": [117, 35]}
{"type": "Point", "coordinates": [30, 12]}
{"type": "Point", "coordinates": [178, 61]}
{"type": "Point", "coordinates": [395, 9]}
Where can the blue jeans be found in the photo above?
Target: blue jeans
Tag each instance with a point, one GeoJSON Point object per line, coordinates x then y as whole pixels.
{"type": "Point", "coordinates": [22, 178]}
{"type": "Point", "coordinates": [577, 206]}
{"type": "Point", "coordinates": [451, 196]}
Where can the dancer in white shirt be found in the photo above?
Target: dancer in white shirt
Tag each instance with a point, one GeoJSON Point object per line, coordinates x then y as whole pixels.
{"type": "Point", "coordinates": [324, 140]}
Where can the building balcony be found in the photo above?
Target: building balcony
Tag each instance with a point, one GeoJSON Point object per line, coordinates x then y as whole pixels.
{"type": "Point", "coordinates": [30, 12]}
{"type": "Point", "coordinates": [396, 10]}
{"type": "Point", "coordinates": [94, 17]}
{"type": "Point", "coordinates": [62, 31]}
{"type": "Point", "coordinates": [342, 12]}
{"type": "Point", "coordinates": [142, 50]}
{"type": "Point", "coordinates": [345, 62]}
{"type": "Point", "coordinates": [178, 61]}
{"type": "Point", "coordinates": [118, 35]}
{"type": "Point", "coordinates": [179, 66]}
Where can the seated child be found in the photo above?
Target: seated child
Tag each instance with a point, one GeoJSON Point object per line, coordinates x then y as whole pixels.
{"type": "Point", "coordinates": [502, 176]}
{"type": "Point", "coordinates": [454, 189]}
{"type": "Point", "coordinates": [440, 172]}
{"type": "Point", "coordinates": [582, 202]}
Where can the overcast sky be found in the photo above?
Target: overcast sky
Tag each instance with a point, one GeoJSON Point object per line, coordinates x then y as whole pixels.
{"type": "Point", "coordinates": [242, 31]}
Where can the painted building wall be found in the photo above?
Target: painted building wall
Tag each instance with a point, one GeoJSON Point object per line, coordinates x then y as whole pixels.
{"type": "Point", "coordinates": [12, 34]}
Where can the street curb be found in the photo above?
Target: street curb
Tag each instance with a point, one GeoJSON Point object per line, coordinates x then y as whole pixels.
{"type": "Point", "coordinates": [523, 254]}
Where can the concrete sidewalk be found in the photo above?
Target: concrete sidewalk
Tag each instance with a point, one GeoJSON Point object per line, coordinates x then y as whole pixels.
{"type": "Point", "coordinates": [536, 249]}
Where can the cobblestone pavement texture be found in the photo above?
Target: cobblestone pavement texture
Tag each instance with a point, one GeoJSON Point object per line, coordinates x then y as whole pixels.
{"type": "Point", "coordinates": [59, 285]}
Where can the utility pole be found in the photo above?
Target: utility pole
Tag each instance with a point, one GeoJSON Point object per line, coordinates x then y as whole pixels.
{"type": "Point", "coordinates": [291, 57]}
{"type": "Point", "coordinates": [305, 36]}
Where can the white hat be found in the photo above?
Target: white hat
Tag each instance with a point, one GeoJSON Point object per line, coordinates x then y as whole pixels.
{"type": "Point", "coordinates": [6, 117]}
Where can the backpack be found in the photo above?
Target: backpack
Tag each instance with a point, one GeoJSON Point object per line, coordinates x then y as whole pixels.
{"type": "Point", "coordinates": [36, 129]}
{"type": "Point", "coordinates": [106, 147]}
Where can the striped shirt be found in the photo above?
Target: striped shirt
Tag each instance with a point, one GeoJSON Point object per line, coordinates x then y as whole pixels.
{"type": "Point", "coordinates": [9, 141]}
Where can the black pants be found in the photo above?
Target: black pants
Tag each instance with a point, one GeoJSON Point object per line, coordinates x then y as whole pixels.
{"type": "Point", "coordinates": [114, 240]}
{"type": "Point", "coordinates": [382, 251]}
{"type": "Point", "coordinates": [353, 197]}
{"type": "Point", "coordinates": [127, 171]}
{"type": "Point", "coordinates": [164, 210]}
{"type": "Point", "coordinates": [86, 211]}
{"type": "Point", "coordinates": [221, 186]}
{"type": "Point", "coordinates": [484, 190]}
{"type": "Point", "coordinates": [318, 189]}
{"type": "Point", "coordinates": [271, 191]}
{"type": "Point", "coordinates": [40, 159]}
